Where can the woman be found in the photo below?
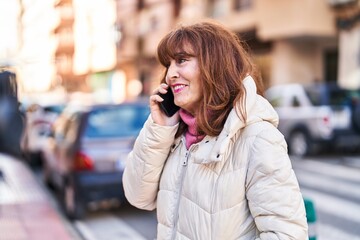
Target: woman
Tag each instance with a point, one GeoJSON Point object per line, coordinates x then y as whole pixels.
{"type": "Point", "coordinates": [218, 168]}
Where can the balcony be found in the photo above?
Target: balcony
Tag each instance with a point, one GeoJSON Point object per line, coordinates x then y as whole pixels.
{"type": "Point", "coordinates": [292, 19]}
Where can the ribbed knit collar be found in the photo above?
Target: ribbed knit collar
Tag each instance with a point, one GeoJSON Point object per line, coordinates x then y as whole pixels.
{"type": "Point", "coordinates": [191, 135]}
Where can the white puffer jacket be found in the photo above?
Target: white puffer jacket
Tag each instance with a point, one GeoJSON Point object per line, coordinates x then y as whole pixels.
{"type": "Point", "coordinates": [239, 185]}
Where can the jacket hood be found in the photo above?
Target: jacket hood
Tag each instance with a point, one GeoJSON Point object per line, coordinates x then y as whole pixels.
{"type": "Point", "coordinates": [257, 109]}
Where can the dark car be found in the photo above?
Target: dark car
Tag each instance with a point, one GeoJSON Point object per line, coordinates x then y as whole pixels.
{"type": "Point", "coordinates": [85, 156]}
{"type": "Point", "coordinates": [333, 95]}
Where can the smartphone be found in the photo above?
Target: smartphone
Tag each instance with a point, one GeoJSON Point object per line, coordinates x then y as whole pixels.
{"type": "Point", "coordinates": [168, 106]}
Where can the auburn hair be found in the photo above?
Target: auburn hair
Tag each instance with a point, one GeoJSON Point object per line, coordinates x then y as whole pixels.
{"type": "Point", "coordinates": [223, 61]}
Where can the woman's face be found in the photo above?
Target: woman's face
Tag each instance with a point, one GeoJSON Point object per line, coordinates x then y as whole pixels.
{"type": "Point", "coordinates": [183, 76]}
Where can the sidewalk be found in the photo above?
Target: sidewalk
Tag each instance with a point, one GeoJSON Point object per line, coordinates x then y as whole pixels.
{"type": "Point", "coordinates": [26, 212]}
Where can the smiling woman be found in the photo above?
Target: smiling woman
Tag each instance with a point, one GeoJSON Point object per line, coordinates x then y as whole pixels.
{"type": "Point", "coordinates": [218, 168]}
{"type": "Point", "coordinates": [183, 77]}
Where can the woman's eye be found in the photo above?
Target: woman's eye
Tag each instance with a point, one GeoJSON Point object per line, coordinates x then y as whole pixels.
{"type": "Point", "coordinates": [181, 60]}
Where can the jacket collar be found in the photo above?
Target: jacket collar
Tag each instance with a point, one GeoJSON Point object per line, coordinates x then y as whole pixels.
{"type": "Point", "coordinates": [257, 109]}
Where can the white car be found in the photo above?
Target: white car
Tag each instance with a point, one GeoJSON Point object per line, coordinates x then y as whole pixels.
{"type": "Point", "coordinates": [316, 116]}
{"type": "Point", "coordinates": [39, 121]}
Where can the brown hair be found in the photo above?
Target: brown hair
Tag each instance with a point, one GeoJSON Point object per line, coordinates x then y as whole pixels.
{"type": "Point", "coordinates": [223, 62]}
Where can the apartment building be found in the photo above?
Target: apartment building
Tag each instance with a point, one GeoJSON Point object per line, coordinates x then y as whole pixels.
{"type": "Point", "coordinates": [64, 55]}
{"type": "Point", "coordinates": [86, 51]}
{"type": "Point", "coordinates": [142, 23]}
{"type": "Point", "coordinates": [26, 45]}
{"type": "Point", "coordinates": [290, 40]}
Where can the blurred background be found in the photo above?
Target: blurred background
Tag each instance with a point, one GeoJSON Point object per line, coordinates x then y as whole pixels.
{"type": "Point", "coordinates": [104, 52]}
{"type": "Point", "coordinates": [107, 48]}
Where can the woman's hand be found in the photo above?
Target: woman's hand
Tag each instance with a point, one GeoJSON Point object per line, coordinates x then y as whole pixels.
{"type": "Point", "coordinates": [158, 116]}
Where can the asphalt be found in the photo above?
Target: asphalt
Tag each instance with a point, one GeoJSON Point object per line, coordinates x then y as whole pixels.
{"type": "Point", "coordinates": [27, 211]}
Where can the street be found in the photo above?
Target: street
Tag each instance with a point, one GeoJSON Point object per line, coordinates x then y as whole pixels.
{"type": "Point", "coordinates": [80, 81]}
{"type": "Point", "coordinates": [332, 182]}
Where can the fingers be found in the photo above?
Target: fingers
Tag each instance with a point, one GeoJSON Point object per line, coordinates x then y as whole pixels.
{"type": "Point", "coordinates": [163, 88]}
{"type": "Point", "coordinates": [155, 99]}
{"type": "Point", "coordinates": [157, 114]}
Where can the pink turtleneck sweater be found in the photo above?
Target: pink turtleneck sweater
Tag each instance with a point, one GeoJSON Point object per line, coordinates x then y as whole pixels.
{"type": "Point", "coordinates": [191, 135]}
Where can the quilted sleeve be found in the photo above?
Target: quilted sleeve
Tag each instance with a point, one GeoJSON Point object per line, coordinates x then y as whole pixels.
{"type": "Point", "coordinates": [145, 163]}
{"type": "Point", "coordinates": [273, 191]}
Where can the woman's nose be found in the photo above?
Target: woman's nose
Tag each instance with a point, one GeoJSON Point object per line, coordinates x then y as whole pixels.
{"type": "Point", "coordinates": [172, 72]}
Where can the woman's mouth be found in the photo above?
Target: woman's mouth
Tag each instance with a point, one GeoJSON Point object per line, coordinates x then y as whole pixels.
{"type": "Point", "coordinates": [178, 88]}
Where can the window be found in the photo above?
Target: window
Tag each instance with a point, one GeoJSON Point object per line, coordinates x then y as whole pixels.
{"type": "Point", "coordinates": [331, 65]}
{"type": "Point", "coordinates": [66, 11]}
{"type": "Point", "coordinates": [242, 4]}
{"type": "Point", "coordinates": [64, 63]}
{"type": "Point", "coordinates": [295, 102]}
{"type": "Point", "coordinates": [331, 94]}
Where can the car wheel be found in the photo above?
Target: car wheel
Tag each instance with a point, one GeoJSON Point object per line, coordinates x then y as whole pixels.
{"type": "Point", "coordinates": [299, 144]}
{"type": "Point", "coordinates": [72, 204]}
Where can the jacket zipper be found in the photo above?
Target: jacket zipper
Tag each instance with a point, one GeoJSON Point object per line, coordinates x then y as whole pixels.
{"type": "Point", "coordinates": [183, 171]}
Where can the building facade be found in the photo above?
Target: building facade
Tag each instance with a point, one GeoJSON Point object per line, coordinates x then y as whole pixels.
{"type": "Point", "coordinates": [64, 55]}
{"type": "Point", "coordinates": [290, 40]}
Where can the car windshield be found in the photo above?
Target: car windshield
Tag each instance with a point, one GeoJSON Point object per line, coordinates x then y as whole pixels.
{"type": "Point", "coordinates": [54, 108]}
{"type": "Point", "coordinates": [122, 121]}
{"type": "Point", "coordinates": [332, 95]}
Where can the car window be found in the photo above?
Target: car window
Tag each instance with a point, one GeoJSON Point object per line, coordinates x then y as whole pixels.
{"type": "Point", "coordinates": [274, 97]}
{"type": "Point", "coordinates": [122, 121]}
{"type": "Point", "coordinates": [339, 97]}
{"type": "Point", "coordinates": [315, 96]}
{"type": "Point", "coordinates": [331, 95]}
{"type": "Point", "coordinates": [295, 102]}
{"type": "Point", "coordinates": [354, 96]}
{"type": "Point", "coordinates": [54, 109]}
{"type": "Point", "coordinates": [344, 97]}
{"type": "Point", "coordinates": [275, 102]}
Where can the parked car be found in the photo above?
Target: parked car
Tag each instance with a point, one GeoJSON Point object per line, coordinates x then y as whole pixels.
{"type": "Point", "coordinates": [39, 121]}
{"type": "Point", "coordinates": [316, 116]}
{"type": "Point", "coordinates": [85, 156]}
